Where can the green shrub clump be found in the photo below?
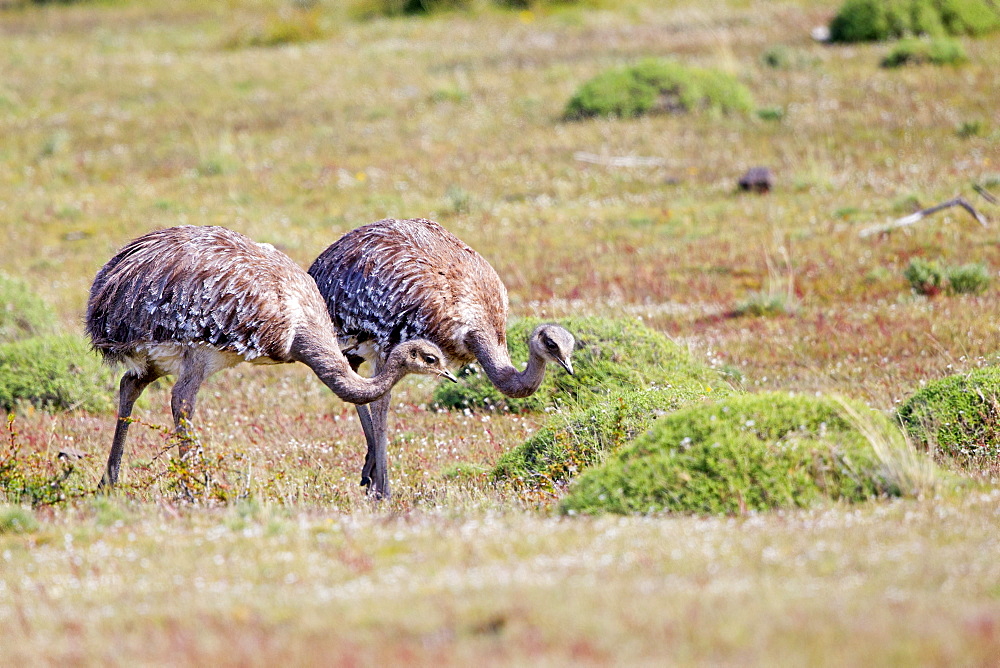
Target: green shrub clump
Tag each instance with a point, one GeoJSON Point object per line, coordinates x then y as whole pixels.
{"type": "Point", "coordinates": [930, 278]}
{"type": "Point", "coordinates": [744, 453]}
{"type": "Point", "coordinates": [574, 441]}
{"type": "Point", "coordinates": [968, 279]}
{"type": "Point", "coordinates": [658, 86]}
{"type": "Point", "coordinates": [925, 277]}
{"type": "Point", "coordinates": [22, 313]}
{"type": "Point", "coordinates": [957, 416]}
{"type": "Point", "coordinates": [876, 20]}
{"type": "Point", "coordinates": [57, 372]}
{"type": "Point", "coordinates": [939, 51]}
{"type": "Point", "coordinates": [610, 356]}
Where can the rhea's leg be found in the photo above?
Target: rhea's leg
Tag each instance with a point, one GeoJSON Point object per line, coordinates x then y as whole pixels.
{"type": "Point", "coordinates": [376, 469]}
{"type": "Point", "coordinates": [365, 417]}
{"type": "Point", "coordinates": [182, 398]}
{"type": "Point", "coordinates": [129, 390]}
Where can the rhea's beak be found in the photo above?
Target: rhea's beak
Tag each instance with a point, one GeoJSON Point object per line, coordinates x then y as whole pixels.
{"type": "Point", "coordinates": [448, 374]}
{"type": "Point", "coordinates": [566, 364]}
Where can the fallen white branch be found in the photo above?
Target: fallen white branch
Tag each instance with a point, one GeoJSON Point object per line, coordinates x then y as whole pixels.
{"type": "Point", "coordinates": [618, 161]}
{"type": "Point", "coordinates": [985, 193]}
{"type": "Point", "coordinates": [923, 213]}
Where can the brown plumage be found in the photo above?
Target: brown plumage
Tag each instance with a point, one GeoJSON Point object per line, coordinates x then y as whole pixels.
{"type": "Point", "coordinates": [189, 301]}
{"type": "Point", "coordinates": [398, 280]}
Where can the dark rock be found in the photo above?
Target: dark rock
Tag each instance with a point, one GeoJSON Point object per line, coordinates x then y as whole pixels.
{"type": "Point", "coordinates": [757, 179]}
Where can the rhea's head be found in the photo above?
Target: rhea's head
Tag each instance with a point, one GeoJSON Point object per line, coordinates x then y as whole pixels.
{"type": "Point", "coordinates": [554, 344]}
{"type": "Point", "coordinates": [421, 356]}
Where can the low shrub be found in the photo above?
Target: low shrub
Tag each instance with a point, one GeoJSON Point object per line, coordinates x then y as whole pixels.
{"type": "Point", "coordinates": [574, 441]}
{"type": "Point", "coordinates": [876, 20]}
{"type": "Point", "coordinates": [744, 453]}
{"type": "Point", "coordinates": [971, 279]}
{"type": "Point", "coordinates": [957, 416]}
{"type": "Point", "coordinates": [939, 51]}
{"type": "Point", "coordinates": [930, 278]}
{"type": "Point", "coordinates": [973, 128]}
{"type": "Point", "coordinates": [36, 479]}
{"type": "Point", "coordinates": [610, 356]}
{"type": "Point", "coordinates": [57, 372]}
{"type": "Point", "coordinates": [777, 57]}
{"type": "Point", "coordinates": [658, 86]}
{"type": "Point", "coordinates": [925, 277]}
{"type": "Point", "coordinates": [969, 17]}
{"type": "Point", "coordinates": [22, 313]}
{"type": "Point", "coordinates": [761, 304]}
{"type": "Point", "coordinates": [771, 113]}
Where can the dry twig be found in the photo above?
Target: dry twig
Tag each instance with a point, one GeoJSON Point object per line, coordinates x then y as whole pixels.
{"type": "Point", "coordinates": [985, 193]}
{"type": "Point", "coordinates": [618, 161]}
{"type": "Point", "coordinates": [923, 213]}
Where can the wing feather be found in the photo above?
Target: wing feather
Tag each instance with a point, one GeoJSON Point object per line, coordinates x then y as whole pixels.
{"type": "Point", "coordinates": [396, 280]}
{"type": "Point", "coordinates": [193, 284]}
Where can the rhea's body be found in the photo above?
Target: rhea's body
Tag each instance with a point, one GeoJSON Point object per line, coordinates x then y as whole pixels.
{"type": "Point", "coordinates": [397, 280]}
{"type": "Point", "coordinates": [190, 301]}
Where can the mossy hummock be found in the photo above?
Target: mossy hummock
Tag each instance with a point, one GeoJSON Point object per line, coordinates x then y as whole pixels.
{"type": "Point", "coordinates": [611, 355]}
{"type": "Point", "coordinates": [937, 51]}
{"type": "Point", "coordinates": [877, 20]}
{"type": "Point", "coordinates": [744, 453]}
{"type": "Point", "coordinates": [658, 86]}
{"type": "Point", "coordinates": [959, 416]}
{"type": "Point", "coordinates": [572, 442]}
{"type": "Point", "coordinates": [56, 372]}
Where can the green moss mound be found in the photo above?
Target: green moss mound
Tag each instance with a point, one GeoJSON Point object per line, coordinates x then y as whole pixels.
{"type": "Point", "coordinates": [575, 441]}
{"type": "Point", "coordinates": [610, 356]}
{"type": "Point", "coordinates": [54, 373]}
{"type": "Point", "coordinates": [959, 416]}
{"type": "Point", "coordinates": [658, 86]}
{"type": "Point", "coordinates": [877, 20]}
{"type": "Point", "coordinates": [938, 51]}
{"type": "Point", "coordinates": [744, 453]}
{"type": "Point", "coordinates": [22, 313]}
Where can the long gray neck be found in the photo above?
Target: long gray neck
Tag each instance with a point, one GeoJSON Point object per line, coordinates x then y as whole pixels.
{"type": "Point", "coordinates": [327, 362]}
{"type": "Point", "coordinates": [495, 360]}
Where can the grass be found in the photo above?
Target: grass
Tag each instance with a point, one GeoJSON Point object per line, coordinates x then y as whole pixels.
{"type": "Point", "coordinates": [22, 313]}
{"type": "Point", "coordinates": [121, 117]}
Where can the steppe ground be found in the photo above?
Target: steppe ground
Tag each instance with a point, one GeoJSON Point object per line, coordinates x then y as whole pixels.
{"type": "Point", "coordinates": [118, 118]}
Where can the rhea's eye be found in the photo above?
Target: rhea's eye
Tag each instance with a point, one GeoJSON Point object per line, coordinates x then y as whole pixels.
{"type": "Point", "coordinates": [430, 359]}
{"type": "Point", "coordinates": [413, 354]}
{"type": "Point", "coordinates": [551, 345]}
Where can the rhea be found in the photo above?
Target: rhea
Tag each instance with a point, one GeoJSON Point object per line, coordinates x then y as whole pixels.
{"type": "Point", "coordinates": [398, 280]}
{"type": "Point", "coordinates": [190, 301]}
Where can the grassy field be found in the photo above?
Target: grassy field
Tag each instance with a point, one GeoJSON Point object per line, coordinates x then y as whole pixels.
{"type": "Point", "coordinates": [118, 118]}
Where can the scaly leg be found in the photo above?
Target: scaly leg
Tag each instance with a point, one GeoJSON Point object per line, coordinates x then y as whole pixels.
{"type": "Point", "coordinates": [376, 469]}
{"type": "Point", "coordinates": [129, 390]}
{"type": "Point", "coordinates": [365, 417]}
{"type": "Point", "coordinates": [182, 398]}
